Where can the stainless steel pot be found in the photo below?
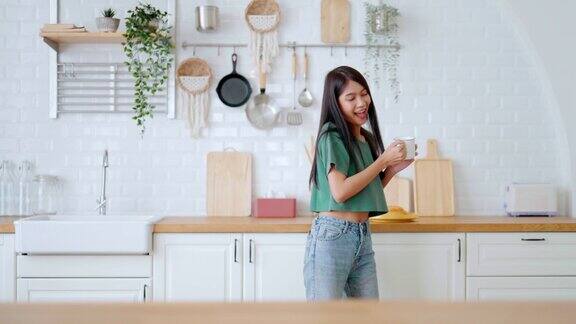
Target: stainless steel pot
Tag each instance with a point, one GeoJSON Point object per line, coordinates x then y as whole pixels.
{"type": "Point", "coordinates": [261, 111]}
{"type": "Point", "coordinates": [206, 18]}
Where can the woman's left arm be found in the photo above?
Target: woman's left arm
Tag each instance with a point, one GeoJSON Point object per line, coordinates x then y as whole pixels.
{"type": "Point", "coordinates": [388, 175]}
{"type": "Point", "coordinates": [392, 170]}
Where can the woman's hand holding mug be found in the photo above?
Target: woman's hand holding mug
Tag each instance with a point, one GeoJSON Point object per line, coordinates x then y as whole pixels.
{"type": "Point", "coordinates": [394, 154]}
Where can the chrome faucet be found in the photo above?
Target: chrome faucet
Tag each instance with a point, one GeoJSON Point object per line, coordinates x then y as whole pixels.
{"type": "Point", "coordinates": [102, 200]}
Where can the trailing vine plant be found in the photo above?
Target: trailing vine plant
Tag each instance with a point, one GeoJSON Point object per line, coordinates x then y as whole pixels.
{"type": "Point", "coordinates": [148, 49]}
{"type": "Point", "coordinates": [382, 29]}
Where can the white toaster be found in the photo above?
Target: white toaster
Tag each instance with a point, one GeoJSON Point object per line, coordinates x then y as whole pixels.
{"type": "Point", "coordinates": [531, 199]}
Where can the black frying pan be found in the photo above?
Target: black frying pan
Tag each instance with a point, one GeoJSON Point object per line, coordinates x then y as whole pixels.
{"type": "Point", "coordinates": [234, 90]}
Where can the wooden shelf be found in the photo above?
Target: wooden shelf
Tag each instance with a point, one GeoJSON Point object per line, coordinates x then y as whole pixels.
{"type": "Point", "coordinates": [53, 39]}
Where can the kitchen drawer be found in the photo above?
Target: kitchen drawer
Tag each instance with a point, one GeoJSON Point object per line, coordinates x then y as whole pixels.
{"type": "Point", "coordinates": [520, 288]}
{"type": "Point", "coordinates": [84, 266]}
{"type": "Point", "coordinates": [521, 254]}
{"type": "Point", "coordinates": [83, 290]}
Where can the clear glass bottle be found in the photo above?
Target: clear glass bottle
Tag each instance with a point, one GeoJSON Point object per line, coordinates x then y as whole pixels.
{"type": "Point", "coordinates": [48, 194]}
{"type": "Point", "coordinates": [25, 189]}
{"type": "Point", "coordinates": [7, 189]}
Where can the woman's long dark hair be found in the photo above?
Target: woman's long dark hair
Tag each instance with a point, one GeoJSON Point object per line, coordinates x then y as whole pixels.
{"type": "Point", "coordinates": [333, 87]}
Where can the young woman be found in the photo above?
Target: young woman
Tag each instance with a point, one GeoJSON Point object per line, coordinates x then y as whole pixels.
{"type": "Point", "coordinates": [350, 169]}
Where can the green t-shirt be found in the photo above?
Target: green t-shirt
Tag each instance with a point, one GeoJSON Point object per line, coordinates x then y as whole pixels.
{"type": "Point", "coordinates": [331, 150]}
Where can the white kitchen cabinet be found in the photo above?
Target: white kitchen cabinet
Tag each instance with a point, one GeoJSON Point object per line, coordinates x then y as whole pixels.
{"type": "Point", "coordinates": [7, 268]}
{"type": "Point", "coordinates": [228, 267]}
{"type": "Point", "coordinates": [197, 267]}
{"type": "Point", "coordinates": [521, 266]}
{"type": "Point", "coordinates": [521, 254]}
{"type": "Point", "coordinates": [83, 290]}
{"type": "Point", "coordinates": [420, 265]}
{"type": "Point", "coordinates": [83, 278]}
{"type": "Point", "coordinates": [520, 288]}
{"type": "Point", "coordinates": [273, 267]}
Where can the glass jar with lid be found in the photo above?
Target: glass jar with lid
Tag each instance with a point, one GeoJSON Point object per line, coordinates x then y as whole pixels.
{"type": "Point", "coordinates": [7, 189]}
{"type": "Point", "coordinates": [48, 194]}
{"type": "Point", "coordinates": [25, 189]}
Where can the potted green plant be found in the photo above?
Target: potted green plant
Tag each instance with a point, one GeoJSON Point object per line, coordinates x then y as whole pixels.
{"type": "Point", "coordinates": [381, 28]}
{"type": "Point", "coordinates": [107, 23]}
{"type": "Point", "coordinates": [148, 50]}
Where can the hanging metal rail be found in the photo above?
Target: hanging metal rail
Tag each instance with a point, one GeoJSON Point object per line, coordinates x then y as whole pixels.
{"type": "Point", "coordinates": [289, 45]}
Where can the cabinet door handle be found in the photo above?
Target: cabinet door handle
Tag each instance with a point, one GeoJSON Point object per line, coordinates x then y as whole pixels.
{"type": "Point", "coordinates": [144, 291]}
{"type": "Point", "coordinates": [236, 250]}
{"type": "Point", "coordinates": [459, 250]}
{"type": "Point", "coordinates": [534, 239]}
{"type": "Point", "coordinates": [250, 251]}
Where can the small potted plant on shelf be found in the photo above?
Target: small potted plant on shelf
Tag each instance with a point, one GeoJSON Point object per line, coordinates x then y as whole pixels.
{"type": "Point", "coordinates": [107, 23]}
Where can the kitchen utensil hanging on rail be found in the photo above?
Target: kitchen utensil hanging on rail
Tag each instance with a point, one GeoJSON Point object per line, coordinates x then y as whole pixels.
{"type": "Point", "coordinates": [261, 111]}
{"type": "Point", "coordinates": [234, 90]}
{"type": "Point", "coordinates": [305, 99]}
{"type": "Point", "coordinates": [194, 77]}
{"type": "Point", "coordinates": [263, 17]}
{"type": "Point", "coordinates": [294, 117]}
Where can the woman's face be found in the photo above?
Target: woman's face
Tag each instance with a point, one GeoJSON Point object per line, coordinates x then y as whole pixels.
{"type": "Point", "coordinates": [354, 103]}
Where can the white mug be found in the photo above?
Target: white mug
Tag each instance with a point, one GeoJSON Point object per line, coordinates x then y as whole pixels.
{"type": "Point", "coordinates": [410, 145]}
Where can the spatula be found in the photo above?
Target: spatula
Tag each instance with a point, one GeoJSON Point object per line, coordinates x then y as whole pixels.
{"type": "Point", "coordinates": [294, 117]}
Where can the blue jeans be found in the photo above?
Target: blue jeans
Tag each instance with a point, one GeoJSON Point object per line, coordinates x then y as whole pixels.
{"type": "Point", "coordinates": [339, 260]}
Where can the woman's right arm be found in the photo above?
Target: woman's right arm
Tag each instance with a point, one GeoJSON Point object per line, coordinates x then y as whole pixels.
{"type": "Point", "coordinates": [343, 187]}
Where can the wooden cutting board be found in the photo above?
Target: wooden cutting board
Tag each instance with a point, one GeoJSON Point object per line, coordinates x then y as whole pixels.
{"type": "Point", "coordinates": [398, 192]}
{"type": "Point", "coordinates": [335, 21]}
{"type": "Point", "coordinates": [229, 184]}
{"type": "Point", "coordinates": [433, 184]}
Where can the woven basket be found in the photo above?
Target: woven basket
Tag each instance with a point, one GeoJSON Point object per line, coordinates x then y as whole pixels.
{"type": "Point", "coordinates": [194, 75]}
{"type": "Point", "coordinates": [262, 8]}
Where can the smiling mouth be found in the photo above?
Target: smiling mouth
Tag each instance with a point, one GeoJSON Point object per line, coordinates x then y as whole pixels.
{"type": "Point", "coordinates": [363, 114]}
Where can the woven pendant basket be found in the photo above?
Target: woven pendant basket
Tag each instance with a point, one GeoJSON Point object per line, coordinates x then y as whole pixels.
{"type": "Point", "coordinates": [194, 79]}
{"type": "Point", "coordinates": [263, 18]}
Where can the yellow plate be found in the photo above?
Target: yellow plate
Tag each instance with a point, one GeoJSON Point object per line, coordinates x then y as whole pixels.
{"type": "Point", "coordinates": [395, 214]}
{"type": "Point", "coordinates": [406, 220]}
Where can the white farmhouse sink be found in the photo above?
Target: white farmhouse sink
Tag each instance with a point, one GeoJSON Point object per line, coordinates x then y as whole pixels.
{"type": "Point", "coordinates": [77, 234]}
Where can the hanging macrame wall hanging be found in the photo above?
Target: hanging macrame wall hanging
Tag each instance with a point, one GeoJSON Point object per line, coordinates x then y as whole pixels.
{"type": "Point", "coordinates": [263, 17]}
{"type": "Point", "coordinates": [194, 78]}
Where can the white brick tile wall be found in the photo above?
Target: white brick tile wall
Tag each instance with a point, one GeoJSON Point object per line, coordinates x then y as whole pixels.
{"type": "Point", "coordinates": [134, 189]}
{"type": "Point", "coordinates": [123, 174]}
{"type": "Point", "coordinates": [457, 132]}
{"type": "Point", "coordinates": [490, 132]}
{"type": "Point", "coordinates": [500, 147]}
{"type": "Point", "coordinates": [166, 190]}
{"type": "Point", "coordinates": [467, 80]}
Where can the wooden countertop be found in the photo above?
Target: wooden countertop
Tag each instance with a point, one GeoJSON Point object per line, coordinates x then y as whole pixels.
{"type": "Point", "coordinates": [178, 224]}
{"type": "Point", "coordinates": [181, 224]}
{"type": "Point", "coordinates": [345, 312]}
{"type": "Point", "coordinates": [7, 223]}
{"type": "Point", "coordinates": [422, 224]}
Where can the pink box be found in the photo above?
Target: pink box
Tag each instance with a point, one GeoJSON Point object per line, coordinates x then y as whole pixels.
{"type": "Point", "coordinates": [274, 207]}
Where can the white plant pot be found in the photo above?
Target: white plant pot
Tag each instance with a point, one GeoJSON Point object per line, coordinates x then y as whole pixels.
{"type": "Point", "coordinates": [107, 25]}
{"type": "Point", "coordinates": [153, 25]}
